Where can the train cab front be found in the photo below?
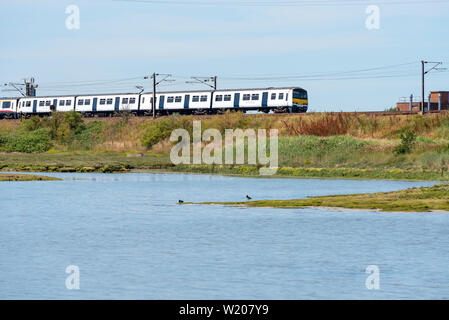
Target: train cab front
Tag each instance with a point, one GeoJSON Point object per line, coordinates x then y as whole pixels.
{"type": "Point", "coordinates": [300, 101]}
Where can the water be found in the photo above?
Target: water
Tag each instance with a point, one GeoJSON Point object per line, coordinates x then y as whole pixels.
{"type": "Point", "coordinates": [131, 240]}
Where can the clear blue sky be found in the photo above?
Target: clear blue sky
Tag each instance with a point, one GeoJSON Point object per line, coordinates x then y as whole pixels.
{"type": "Point", "coordinates": [120, 40]}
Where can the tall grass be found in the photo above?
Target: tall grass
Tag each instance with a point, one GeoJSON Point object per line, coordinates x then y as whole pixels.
{"type": "Point", "coordinates": [366, 126]}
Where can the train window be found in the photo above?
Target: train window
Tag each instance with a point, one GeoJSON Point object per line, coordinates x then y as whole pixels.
{"type": "Point", "coordinates": [170, 99]}
{"type": "Point", "coordinates": [281, 96]}
{"type": "Point", "coordinates": [219, 98]}
{"type": "Point", "coordinates": [86, 102]}
{"type": "Point", "coordinates": [299, 94]}
{"type": "Point", "coordinates": [286, 97]}
{"type": "Point", "coordinates": [195, 98]}
{"type": "Point", "coordinates": [102, 101]}
{"type": "Point", "coordinates": [273, 96]}
{"type": "Point", "coordinates": [227, 97]}
{"type": "Point", "coordinates": [6, 105]}
{"type": "Point", "coordinates": [80, 102]}
{"type": "Point", "coordinates": [47, 103]}
{"type": "Point", "coordinates": [255, 96]}
{"type": "Point", "coordinates": [203, 98]}
{"type": "Point", "coordinates": [61, 102]}
{"type": "Point", "coordinates": [68, 102]}
{"type": "Point", "coordinates": [41, 103]}
{"type": "Point", "coordinates": [109, 101]}
{"type": "Point", "coordinates": [246, 97]}
{"type": "Point", "coordinates": [132, 100]}
{"type": "Point", "coordinates": [178, 99]}
{"type": "Point", "coordinates": [125, 101]}
{"type": "Point", "coordinates": [28, 103]}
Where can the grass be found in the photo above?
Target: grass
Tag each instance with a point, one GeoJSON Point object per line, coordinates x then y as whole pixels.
{"type": "Point", "coordinates": [426, 199]}
{"type": "Point", "coordinates": [25, 177]}
{"type": "Point", "coordinates": [323, 173]}
{"type": "Point", "coordinates": [80, 162]}
{"type": "Point", "coordinates": [324, 145]}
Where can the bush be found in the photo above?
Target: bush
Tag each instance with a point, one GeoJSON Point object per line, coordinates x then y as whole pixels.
{"type": "Point", "coordinates": [74, 120]}
{"type": "Point", "coordinates": [162, 129]}
{"type": "Point", "coordinates": [29, 142]}
{"type": "Point", "coordinates": [408, 139]}
{"type": "Point", "coordinates": [91, 135]}
{"type": "Point", "coordinates": [32, 124]}
{"type": "Point", "coordinates": [63, 125]}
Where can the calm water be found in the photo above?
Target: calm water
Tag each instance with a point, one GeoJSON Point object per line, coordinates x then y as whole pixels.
{"type": "Point", "coordinates": [130, 239]}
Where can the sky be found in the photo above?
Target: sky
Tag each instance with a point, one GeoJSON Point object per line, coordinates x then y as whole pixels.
{"type": "Point", "coordinates": [323, 46]}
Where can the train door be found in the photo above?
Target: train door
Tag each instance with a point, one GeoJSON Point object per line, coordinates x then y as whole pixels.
{"type": "Point", "coordinates": [34, 106]}
{"type": "Point", "coordinates": [161, 102]}
{"type": "Point", "coordinates": [94, 105]}
{"type": "Point", "coordinates": [186, 101]}
{"type": "Point", "coordinates": [236, 100]}
{"type": "Point", "coordinates": [265, 99]}
{"type": "Point", "coordinates": [117, 104]}
{"type": "Point", "coordinates": [55, 104]}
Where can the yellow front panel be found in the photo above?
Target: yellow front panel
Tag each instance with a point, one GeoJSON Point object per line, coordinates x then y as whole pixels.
{"type": "Point", "coordinates": [300, 101]}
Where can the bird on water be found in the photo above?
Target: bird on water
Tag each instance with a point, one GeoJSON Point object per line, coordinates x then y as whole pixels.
{"type": "Point", "coordinates": [248, 197]}
{"type": "Point", "coordinates": [180, 201]}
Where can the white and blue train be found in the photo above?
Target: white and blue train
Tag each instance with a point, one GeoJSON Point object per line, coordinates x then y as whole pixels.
{"type": "Point", "coordinates": [281, 100]}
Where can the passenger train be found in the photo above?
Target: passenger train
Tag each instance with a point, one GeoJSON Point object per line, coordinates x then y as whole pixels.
{"type": "Point", "coordinates": [280, 100]}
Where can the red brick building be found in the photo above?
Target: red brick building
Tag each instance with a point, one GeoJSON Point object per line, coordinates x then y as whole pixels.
{"type": "Point", "coordinates": [439, 100]}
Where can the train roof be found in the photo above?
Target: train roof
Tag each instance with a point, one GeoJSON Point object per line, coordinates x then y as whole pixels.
{"type": "Point", "coordinates": [159, 92]}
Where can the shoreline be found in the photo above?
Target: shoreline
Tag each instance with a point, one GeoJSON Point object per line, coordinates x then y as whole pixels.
{"type": "Point", "coordinates": [413, 200]}
{"type": "Point", "coordinates": [52, 169]}
{"type": "Point", "coordinates": [4, 177]}
{"type": "Point", "coordinates": [94, 163]}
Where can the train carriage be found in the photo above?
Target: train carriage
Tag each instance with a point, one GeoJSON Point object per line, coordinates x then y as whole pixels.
{"type": "Point", "coordinates": [45, 105]}
{"type": "Point", "coordinates": [183, 102]}
{"type": "Point", "coordinates": [107, 104]}
{"type": "Point", "coordinates": [264, 99]}
{"type": "Point", "coordinates": [8, 108]}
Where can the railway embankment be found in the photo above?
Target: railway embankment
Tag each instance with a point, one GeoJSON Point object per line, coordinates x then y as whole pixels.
{"type": "Point", "coordinates": [318, 145]}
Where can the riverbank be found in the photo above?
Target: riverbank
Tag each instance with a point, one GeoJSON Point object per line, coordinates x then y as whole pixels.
{"type": "Point", "coordinates": [325, 145]}
{"type": "Point", "coordinates": [119, 162]}
{"type": "Point", "coordinates": [25, 177]}
{"type": "Point", "coordinates": [426, 199]}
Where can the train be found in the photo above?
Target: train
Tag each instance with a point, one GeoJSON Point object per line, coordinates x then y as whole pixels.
{"type": "Point", "coordinates": [279, 100]}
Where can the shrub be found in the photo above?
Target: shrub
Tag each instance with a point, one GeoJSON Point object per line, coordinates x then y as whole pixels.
{"type": "Point", "coordinates": [162, 129]}
{"type": "Point", "coordinates": [408, 139]}
{"type": "Point", "coordinates": [26, 141]}
{"type": "Point", "coordinates": [91, 135]}
{"type": "Point", "coordinates": [63, 125]}
{"type": "Point", "coordinates": [32, 124]}
{"type": "Point", "coordinates": [74, 120]}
